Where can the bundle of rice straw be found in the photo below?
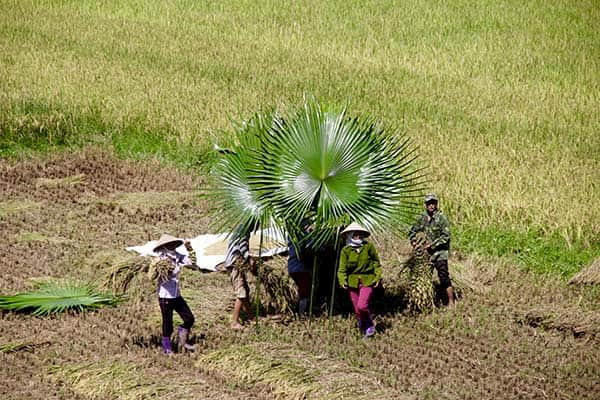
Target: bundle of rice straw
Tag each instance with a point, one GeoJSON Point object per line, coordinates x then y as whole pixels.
{"type": "Point", "coordinates": [125, 273]}
{"type": "Point", "coordinates": [589, 275]}
{"type": "Point", "coordinates": [277, 291]}
{"type": "Point", "coordinates": [420, 293]}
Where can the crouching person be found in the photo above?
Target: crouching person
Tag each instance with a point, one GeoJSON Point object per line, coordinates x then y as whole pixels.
{"type": "Point", "coordinates": [166, 269]}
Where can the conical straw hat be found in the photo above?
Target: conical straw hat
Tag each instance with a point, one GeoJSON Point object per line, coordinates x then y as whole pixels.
{"type": "Point", "coordinates": [166, 239]}
{"type": "Point", "coordinates": [355, 227]}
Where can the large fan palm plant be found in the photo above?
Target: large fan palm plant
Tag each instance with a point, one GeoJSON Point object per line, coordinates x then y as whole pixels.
{"type": "Point", "coordinates": [317, 162]}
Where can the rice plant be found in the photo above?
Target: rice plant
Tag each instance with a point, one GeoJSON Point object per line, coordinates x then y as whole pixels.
{"type": "Point", "coordinates": [58, 296]}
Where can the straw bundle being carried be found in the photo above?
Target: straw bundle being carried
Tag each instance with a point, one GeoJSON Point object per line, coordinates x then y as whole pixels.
{"type": "Point", "coordinates": [126, 273]}
{"type": "Point", "coordinates": [277, 291]}
{"type": "Point", "coordinates": [420, 293]}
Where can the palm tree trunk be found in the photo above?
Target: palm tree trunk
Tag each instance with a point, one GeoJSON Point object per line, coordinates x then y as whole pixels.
{"type": "Point", "coordinates": [312, 289]}
{"type": "Point", "coordinates": [258, 279]}
{"type": "Point", "coordinates": [335, 267]}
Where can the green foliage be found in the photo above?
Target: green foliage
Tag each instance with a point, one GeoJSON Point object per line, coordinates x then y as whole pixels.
{"type": "Point", "coordinates": [28, 126]}
{"type": "Point", "coordinates": [540, 253]}
{"type": "Point", "coordinates": [53, 297]}
{"type": "Point", "coordinates": [318, 162]}
{"type": "Point", "coordinates": [480, 86]}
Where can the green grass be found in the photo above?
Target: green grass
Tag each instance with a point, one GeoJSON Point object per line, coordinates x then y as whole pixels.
{"type": "Point", "coordinates": [502, 97]}
{"type": "Point", "coordinates": [532, 250]}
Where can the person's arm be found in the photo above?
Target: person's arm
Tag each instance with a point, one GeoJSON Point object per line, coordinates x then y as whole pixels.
{"type": "Point", "coordinates": [414, 229]}
{"type": "Point", "coordinates": [375, 263]}
{"type": "Point", "coordinates": [191, 259]}
{"type": "Point", "coordinates": [342, 277]}
{"type": "Point", "coordinates": [443, 237]}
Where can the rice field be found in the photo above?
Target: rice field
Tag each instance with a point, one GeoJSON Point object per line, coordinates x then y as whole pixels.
{"type": "Point", "coordinates": [501, 97]}
{"type": "Point", "coordinates": [108, 116]}
{"type": "Point", "coordinates": [499, 343]}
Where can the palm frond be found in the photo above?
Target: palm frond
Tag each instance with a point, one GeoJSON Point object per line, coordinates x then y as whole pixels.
{"type": "Point", "coordinates": [51, 297]}
{"type": "Point", "coordinates": [320, 161]}
{"type": "Point", "coordinates": [343, 168]}
{"type": "Point", "coordinates": [237, 201]}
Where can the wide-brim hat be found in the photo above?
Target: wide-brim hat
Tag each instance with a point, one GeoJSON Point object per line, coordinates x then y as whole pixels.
{"type": "Point", "coordinates": [355, 227]}
{"type": "Point", "coordinates": [167, 239]}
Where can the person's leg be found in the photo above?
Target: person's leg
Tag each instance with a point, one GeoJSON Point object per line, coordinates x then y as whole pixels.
{"type": "Point", "coordinates": [166, 311]}
{"type": "Point", "coordinates": [354, 297]}
{"type": "Point", "coordinates": [240, 289]}
{"type": "Point", "coordinates": [444, 275]}
{"type": "Point", "coordinates": [183, 331]}
{"type": "Point", "coordinates": [364, 298]}
{"type": "Point", "coordinates": [303, 281]}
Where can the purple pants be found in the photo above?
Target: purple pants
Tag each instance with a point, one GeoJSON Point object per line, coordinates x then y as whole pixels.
{"type": "Point", "coordinates": [360, 300]}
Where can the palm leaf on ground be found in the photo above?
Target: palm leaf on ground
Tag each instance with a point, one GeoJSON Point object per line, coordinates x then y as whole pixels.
{"type": "Point", "coordinates": [51, 297]}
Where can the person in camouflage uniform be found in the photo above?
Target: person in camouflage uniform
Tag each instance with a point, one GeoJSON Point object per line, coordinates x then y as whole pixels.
{"type": "Point", "coordinates": [436, 228]}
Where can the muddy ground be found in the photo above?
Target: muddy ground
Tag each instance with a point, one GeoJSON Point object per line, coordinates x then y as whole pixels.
{"type": "Point", "coordinates": [513, 336]}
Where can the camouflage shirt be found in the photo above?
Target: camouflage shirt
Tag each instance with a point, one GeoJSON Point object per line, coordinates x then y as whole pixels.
{"type": "Point", "coordinates": [437, 229]}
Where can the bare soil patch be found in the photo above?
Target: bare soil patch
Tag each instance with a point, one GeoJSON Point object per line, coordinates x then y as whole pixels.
{"type": "Point", "coordinates": [514, 335]}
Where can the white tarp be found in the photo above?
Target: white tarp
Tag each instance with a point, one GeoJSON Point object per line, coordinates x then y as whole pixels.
{"type": "Point", "coordinates": [211, 249]}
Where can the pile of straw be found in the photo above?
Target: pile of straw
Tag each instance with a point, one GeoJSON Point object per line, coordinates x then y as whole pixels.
{"type": "Point", "coordinates": [278, 293]}
{"type": "Point", "coordinates": [589, 275]}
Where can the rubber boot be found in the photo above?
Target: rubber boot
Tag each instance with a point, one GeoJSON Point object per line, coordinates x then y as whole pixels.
{"type": "Point", "coordinates": [166, 345]}
{"type": "Point", "coordinates": [183, 344]}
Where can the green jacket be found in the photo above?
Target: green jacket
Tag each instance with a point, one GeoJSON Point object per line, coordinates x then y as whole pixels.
{"type": "Point", "coordinates": [437, 229]}
{"type": "Point", "coordinates": [359, 264]}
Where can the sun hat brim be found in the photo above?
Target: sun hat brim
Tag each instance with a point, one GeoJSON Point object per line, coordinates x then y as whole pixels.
{"type": "Point", "coordinates": [167, 239]}
{"type": "Point", "coordinates": [355, 227]}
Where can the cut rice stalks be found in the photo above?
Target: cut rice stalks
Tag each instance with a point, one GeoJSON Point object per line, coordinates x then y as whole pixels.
{"type": "Point", "coordinates": [589, 275]}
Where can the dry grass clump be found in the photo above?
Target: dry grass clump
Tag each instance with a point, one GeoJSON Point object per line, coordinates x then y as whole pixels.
{"type": "Point", "coordinates": [109, 379]}
{"type": "Point", "coordinates": [146, 201]}
{"type": "Point", "coordinates": [11, 207]}
{"type": "Point", "coordinates": [589, 275]}
{"type": "Point", "coordinates": [289, 373]}
{"type": "Point", "coordinates": [72, 180]}
{"type": "Point", "coordinates": [13, 347]}
{"type": "Point", "coordinates": [573, 321]}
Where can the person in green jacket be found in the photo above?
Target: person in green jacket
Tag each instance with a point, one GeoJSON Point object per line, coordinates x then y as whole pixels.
{"type": "Point", "coordinates": [436, 227]}
{"type": "Point", "coordinates": [359, 272]}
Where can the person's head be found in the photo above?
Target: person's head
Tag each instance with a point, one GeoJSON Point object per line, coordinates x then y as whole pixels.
{"type": "Point", "coordinates": [355, 233]}
{"type": "Point", "coordinates": [167, 243]}
{"type": "Point", "coordinates": [431, 202]}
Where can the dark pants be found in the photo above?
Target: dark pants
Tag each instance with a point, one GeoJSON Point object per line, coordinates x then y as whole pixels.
{"type": "Point", "coordinates": [304, 281]}
{"type": "Point", "coordinates": [442, 269]}
{"type": "Point", "coordinates": [180, 306]}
